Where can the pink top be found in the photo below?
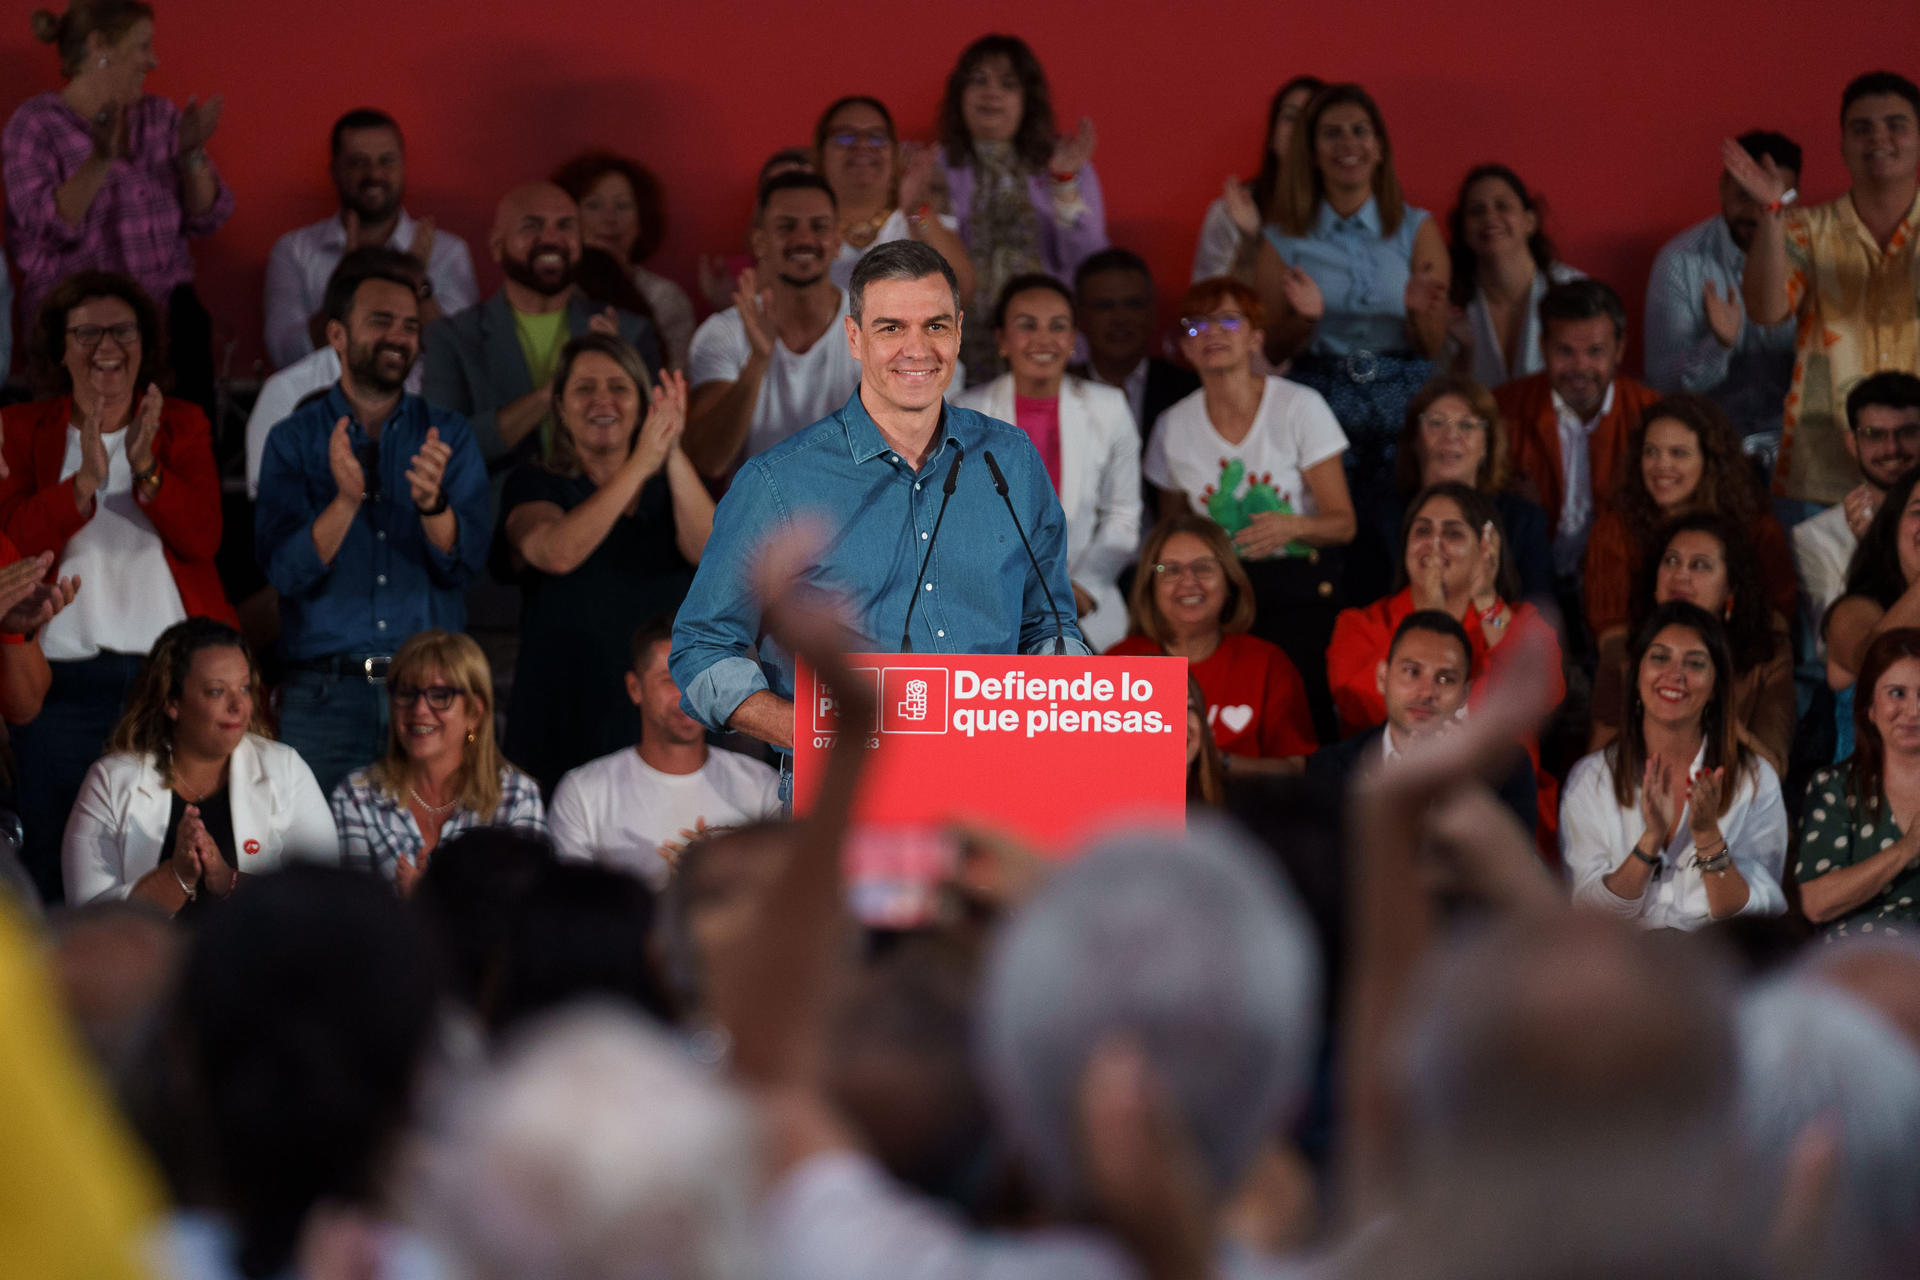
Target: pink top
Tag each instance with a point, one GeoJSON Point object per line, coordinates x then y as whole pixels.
{"type": "Point", "coordinates": [1040, 419]}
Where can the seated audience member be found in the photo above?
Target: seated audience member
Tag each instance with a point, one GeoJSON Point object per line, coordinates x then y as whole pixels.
{"type": "Point", "coordinates": [103, 176]}
{"type": "Point", "coordinates": [1424, 681]}
{"type": "Point", "coordinates": [1883, 438]}
{"type": "Point", "coordinates": [1026, 197]}
{"type": "Point", "coordinates": [1502, 266]}
{"type": "Point", "coordinates": [369, 170]}
{"type": "Point", "coordinates": [493, 363]}
{"type": "Point", "coordinates": [620, 808]}
{"type": "Point", "coordinates": [1881, 595]}
{"type": "Point", "coordinates": [1843, 271]}
{"type": "Point", "coordinates": [1353, 278]}
{"type": "Point", "coordinates": [623, 212]}
{"type": "Point", "coordinates": [117, 481]}
{"type": "Point", "coordinates": [372, 517]}
{"type": "Point", "coordinates": [1703, 559]}
{"type": "Point", "coordinates": [581, 933]}
{"type": "Point", "coordinates": [1085, 436]}
{"type": "Point", "coordinates": [1682, 458]}
{"type": "Point", "coordinates": [307, 1022]}
{"type": "Point", "coordinates": [882, 190]}
{"type": "Point", "coordinates": [27, 603]}
{"type": "Point", "coordinates": [1192, 599]}
{"type": "Point", "coordinates": [1698, 335]}
{"type": "Point", "coordinates": [777, 359]}
{"type": "Point", "coordinates": [287, 388]}
{"type": "Point", "coordinates": [1859, 869]}
{"type": "Point", "coordinates": [1113, 302]}
{"type": "Point", "coordinates": [1676, 823]}
{"type": "Point", "coordinates": [1454, 434]}
{"type": "Point", "coordinates": [601, 535]}
{"type": "Point", "coordinates": [441, 772]}
{"type": "Point", "coordinates": [1230, 233]}
{"type": "Point", "coordinates": [193, 793]}
{"type": "Point", "coordinates": [1569, 424]}
{"type": "Point", "coordinates": [1260, 457]}
{"type": "Point", "coordinates": [473, 893]}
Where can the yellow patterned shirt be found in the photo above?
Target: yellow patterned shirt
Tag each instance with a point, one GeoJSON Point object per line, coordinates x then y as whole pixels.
{"type": "Point", "coordinates": [1858, 308]}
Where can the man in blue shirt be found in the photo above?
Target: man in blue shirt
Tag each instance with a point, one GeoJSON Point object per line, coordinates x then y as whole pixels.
{"type": "Point", "coordinates": [372, 517]}
{"type": "Point", "coordinates": [871, 476]}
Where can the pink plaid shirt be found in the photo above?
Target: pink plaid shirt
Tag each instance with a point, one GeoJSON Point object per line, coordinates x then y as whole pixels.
{"type": "Point", "coordinates": [135, 223]}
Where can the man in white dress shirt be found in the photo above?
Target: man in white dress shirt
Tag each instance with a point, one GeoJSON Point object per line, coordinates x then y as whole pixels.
{"type": "Point", "coordinates": [369, 171]}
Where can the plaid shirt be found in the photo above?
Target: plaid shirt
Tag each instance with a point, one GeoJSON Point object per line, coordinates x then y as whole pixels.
{"type": "Point", "coordinates": [375, 830]}
{"type": "Point", "coordinates": [135, 224]}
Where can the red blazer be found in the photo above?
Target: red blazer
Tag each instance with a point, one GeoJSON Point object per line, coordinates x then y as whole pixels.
{"type": "Point", "coordinates": [37, 509]}
{"type": "Point", "coordinates": [1533, 439]}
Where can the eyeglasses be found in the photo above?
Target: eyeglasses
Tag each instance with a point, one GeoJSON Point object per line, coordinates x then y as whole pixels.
{"type": "Point", "coordinates": [1205, 569]}
{"type": "Point", "coordinates": [1908, 434]}
{"type": "Point", "coordinates": [88, 335]}
{"type": "Point", "coordinates": [876, 141]}
{"type": "Point", "coordinates": [1225, 321]}
{"type": "Point", "coordinates": [438, 696]}
{"type": "Point", "coordinates": [1438, 422]}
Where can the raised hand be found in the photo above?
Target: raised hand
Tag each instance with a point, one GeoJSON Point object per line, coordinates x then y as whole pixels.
{"type": "Point", "coordinates": [1240, 207]}
{"type": "Point", "coordinates": [1656, 799]}
{"type": "Point", "coordinates": [916, 175]}
{"type": "Point", "coordinates": [407, 873]}
{"type": "Point", "coordinates": [1724, 315]}
{"type": "Point", "coordinates": [426, 469]}
{"type": "Point", "coordinates": [215, 874]}
{"type": "Point", "coordinates": [22, 611]}
{"type": "Point", "coordinates": [666, 421]}
{"type": "Point", "coordinates": [1858, 506]}
{"type": "Point", "coordinates": [606, 322]}
{"type": "Point", "coordinates": [348, 479]}
{"type": "Point", "coordinates": [17, 583]}
{"type": "Point", "coordinates": [185, 859]}
{"type": "Point", "coordinates": [93, 460]}
{"type": "Point", "coordinates": [198, 120]}
{"type": "Point", "coordinates": [1425, 293]}
{"type": "Point", "coordinates": [146, 427]}
{"type": "Point", "coordinates": [755, 306]}
{"type": "Point", "coordinates": [1071, 153]}
{"type": "Point", "coordinates": [1302, 293]}
{"type": "Point", "coordinates": [108, 129]}
{"type": "Point", "coordinates": [1486, 568]}
{"type": "Point", "coordinates": [1428, 590]}
{"type": "Point", "coordinates": [421, 248]}
{"type": "Point", "coordinates": [715, 284]}
{"type": "Point", "coordinates": [1703, 812]}
{"type": "Point", "coordinates": [1760, 179]}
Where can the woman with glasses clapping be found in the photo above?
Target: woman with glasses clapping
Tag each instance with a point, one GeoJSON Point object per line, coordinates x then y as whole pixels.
{"type": "Point", "coordinates": [1261, 457]}
{"type": "Point", "coordinates": [442, 772]}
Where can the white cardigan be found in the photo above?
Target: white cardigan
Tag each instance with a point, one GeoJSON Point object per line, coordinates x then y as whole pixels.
{"type": "Point", "coordinates": [119, 822]}
{"type": "Point", "coordinates": [1099, 491]}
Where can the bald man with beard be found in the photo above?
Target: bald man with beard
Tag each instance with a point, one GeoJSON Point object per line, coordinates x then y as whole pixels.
{"type": "Point", "coordinates": [493, 363]}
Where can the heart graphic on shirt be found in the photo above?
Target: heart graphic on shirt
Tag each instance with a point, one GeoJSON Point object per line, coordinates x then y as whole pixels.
{"type": "Point", "coordinates": [1236, 718]}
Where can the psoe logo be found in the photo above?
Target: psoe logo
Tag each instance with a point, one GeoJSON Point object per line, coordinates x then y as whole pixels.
{"type": "Point", "coordinates": [913, 700]}
{"type": "Point", "coordinates": [826, 707]}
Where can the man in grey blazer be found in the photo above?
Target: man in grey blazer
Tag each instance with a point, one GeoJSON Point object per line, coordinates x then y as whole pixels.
{"type": "Point", "coordinates": [493, 363]}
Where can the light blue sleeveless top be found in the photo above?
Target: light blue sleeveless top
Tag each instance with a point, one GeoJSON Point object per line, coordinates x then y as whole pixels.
{"type": "Point", "coordinates": [1362, 275]}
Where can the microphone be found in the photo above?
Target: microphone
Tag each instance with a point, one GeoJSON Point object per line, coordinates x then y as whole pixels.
{"type": "Point", "coordinates": [1000, 483]}
{"type": "Point", "coordinates": [946, 490]}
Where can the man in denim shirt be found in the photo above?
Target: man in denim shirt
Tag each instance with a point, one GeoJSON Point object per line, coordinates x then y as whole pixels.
{"type": "Point", "coordinates": [871, 477]}
{"type": "Point", "coordinates": [372, 517]}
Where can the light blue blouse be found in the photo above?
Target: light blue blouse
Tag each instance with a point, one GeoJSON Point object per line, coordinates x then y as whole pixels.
{"type": "Point", "coordinates": [1361, 273]}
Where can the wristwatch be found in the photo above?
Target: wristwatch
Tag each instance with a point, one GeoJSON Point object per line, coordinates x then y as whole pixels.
{"type": "Point", "coordinates": [1651, 859]}
{"type": "Point", "coordinates": [436, 508]}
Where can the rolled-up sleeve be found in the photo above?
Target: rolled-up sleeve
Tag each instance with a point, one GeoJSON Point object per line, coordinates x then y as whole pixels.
{"type": "Point", "coordinates": [283, 520]}
{"type": "Point", "coordinates": [465, 484]}
{"type": "Point", "coordinates": [719, 622]}
{"type": "Point", "coordinates": [33, 174]}
{"type": "Point", "coordinates": [1759, 844]}
{"type": "Point", "coordinates": [1589, 825]}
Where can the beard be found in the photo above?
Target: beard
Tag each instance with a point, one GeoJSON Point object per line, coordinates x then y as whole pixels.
{"type": "Point", "coordinates": [521, 271]}
{"type": "Point", "coordinates": [374, 203]}
{"type": "Point", "coordinates": [365, 364]}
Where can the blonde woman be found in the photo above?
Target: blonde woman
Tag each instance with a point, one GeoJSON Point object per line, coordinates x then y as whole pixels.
{"type": "Point", "coordinates": [192, 793]}
{"type": "Point", "coordinates": [442, 772]}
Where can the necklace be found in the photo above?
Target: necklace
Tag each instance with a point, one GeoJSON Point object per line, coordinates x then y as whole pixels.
{"type": "Point", "coordinates": [432, 808]}
{"type": "Point", "coordinates": [860, 234]}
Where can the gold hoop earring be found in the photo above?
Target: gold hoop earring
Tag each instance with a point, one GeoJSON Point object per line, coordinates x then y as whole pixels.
{"type": "Point", "coordinates": [470, 737]}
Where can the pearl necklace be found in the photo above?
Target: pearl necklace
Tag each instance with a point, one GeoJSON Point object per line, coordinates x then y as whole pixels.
{"type": "Point", "coordinates": [432, 808]}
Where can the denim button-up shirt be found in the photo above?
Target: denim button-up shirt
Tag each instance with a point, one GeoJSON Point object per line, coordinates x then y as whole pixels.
{"type": "Point", "coordinates": [388, 580]}
{"type": "Point", "coordinates": [877, 515]}
{"type": "Point", "coordinates": [1362, 274]}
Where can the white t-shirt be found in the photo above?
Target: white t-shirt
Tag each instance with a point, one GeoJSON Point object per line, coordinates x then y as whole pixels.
{"type": "Point", "coordinates": [894, 228]}
{"type": "Point", "coordinates": [1292, 430]}
{"type": "Point", "coordinates": [618, 809]}
{"type": "Point", "coordinates": [797, 391]}
{"type": "Point", "coordinates": [127, 593]}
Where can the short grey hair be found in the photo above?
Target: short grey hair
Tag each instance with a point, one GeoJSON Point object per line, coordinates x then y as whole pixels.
{"type": "Point", "coordinates": [1188, 944]}
{"type": "Point", "coordinates": [899, 260]}
{"type": "Point", "coordinates": [595, 1150]}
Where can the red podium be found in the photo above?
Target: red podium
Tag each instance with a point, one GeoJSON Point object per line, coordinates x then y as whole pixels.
{"type": "Point", "coordinates": [1048, 750]}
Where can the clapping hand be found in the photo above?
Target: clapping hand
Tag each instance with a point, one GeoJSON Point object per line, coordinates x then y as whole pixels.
{"type": "Point", "coordinates": [715, 284]}
{"type": "Point", "coordinates": [1071, 153]}
{"type": "Point", "coordinates": [1427, 581]}
{"type": "Point", "coordinates": [348, 479]}
{"type": "Point", "coordinates": [1858, 507]}
{"type": "Point", "coordinates": [1425, 293]}
{"type": "Point", "coordinates": [916, 176]}
{"type": "Point", "coordinates": [108, 129]}
{"type": "Point", "coordinates": [1760, 179]}
{"type": "Point", "coordinates": [146, 426]}
{"type": "Point", "coordinates": [1703, 805]}
{"type": "Point", "coordinates": [407, 872]}
{"type": "Point", "coordinates": [198, 120]}
{"type": "Point", "coordinates": [606, 323]}
{"type": "Point", "coordinates": [26, 602]}
{"type": "Point", "coordinates": [421, 248]}
{"type": "Point", "coordinates": [1723, 314]}
{"type": "Point", "coordinates": [755, 307]}
{"type": "Point", "coordinates": [1485, 591]}
{"type": "Point", "coordinates": [666, 421]}
{"type": "Point", "coordinates": [1302, 293]}
{"type": "Point", "coordinates": [426, 469]}
{"type": "Point", "coordinates": [1657, 806]}
{"type": "Point", "coordinates": [1240, 207]}
{"type": "Point", "coordinates": [92, 474]}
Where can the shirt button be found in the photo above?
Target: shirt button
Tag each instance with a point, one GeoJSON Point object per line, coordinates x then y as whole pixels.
{"type": "Point", "coordinates": [893, 457]}
{"type": "Point", "coordinates": [923, 537]}
{"type": "Point", "coordinates": [379, 535]}
{"type": "Point", "coordinates": [929, 586]}
{"type": "Point", "coordinates": [381, 624]}
{"type": "Point", "coordinates": [380, 580]}
{"type": "Point", "coordinates": [916, 486]}
{"type": "Point", "coordinates": [941, 634]}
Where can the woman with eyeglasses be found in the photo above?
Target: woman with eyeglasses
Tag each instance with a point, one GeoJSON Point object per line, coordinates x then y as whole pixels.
{"type": "Point", "coordinates": [884, 188]}
{"type": "Point", "coordinates": [117, 480]}
{"type": "Point", "coordinates": [193, 792]}
{"type": "Point", "coordinates": [1260, 456]}
{"type": "Point", "coordinates": [623, 214]}
{"type": "Point", "coordinates": [1676, 824]}
{"type": "Point", "coordinates": [1191, 599]}
{"type": "Point", "coordinates": [442, 772]}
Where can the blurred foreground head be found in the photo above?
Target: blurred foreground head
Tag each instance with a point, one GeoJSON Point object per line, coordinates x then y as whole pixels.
{"type": "Point", "coordinates": [1187, 944]}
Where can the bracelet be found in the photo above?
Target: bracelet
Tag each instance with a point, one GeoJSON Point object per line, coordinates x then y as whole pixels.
{"type": "Point", "coordinates": [436, 509]}
{"type": "Point", "coordinates": [1651, 859]}
{"type": "Point", "coordinates": [191, 890]}
{"type": "Point", "coordinates": [153, 469]}
{"type": "Point", "coordinates": [1714, 865]}
{"type": "Point", "coordinates": [1787, 197]}
{"type": "Point", "coordinates": [1491, 617]}
{"type": "Point", "coordinates": [1063, 178]}
{"type": "Point", "coordinates": [919, 217]}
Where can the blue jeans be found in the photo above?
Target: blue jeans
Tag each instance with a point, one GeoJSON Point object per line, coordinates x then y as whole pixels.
{"type": "Point", "coordinates": [336, 723]}
{"type": "Point", "coordinates": [53, 753]}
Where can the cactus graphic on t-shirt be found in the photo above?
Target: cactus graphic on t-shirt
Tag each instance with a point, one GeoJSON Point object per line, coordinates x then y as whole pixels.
{"type": "Point", "coordinates": [1234, 513]}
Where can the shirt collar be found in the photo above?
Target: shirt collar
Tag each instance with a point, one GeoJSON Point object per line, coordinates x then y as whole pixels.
{"type": "Point", "coordinates": [1365, 218]}
{"type": "Point", "coordinates": [338, 408]}
{"type": "Point", "coordinates": [864, 441]}
{"type": "Point", "coordinates": [1566, 413]}
{"type": "Point", "coordinates": [1388, 751]}
{"type": "Point", "coordinates": [334, 234]}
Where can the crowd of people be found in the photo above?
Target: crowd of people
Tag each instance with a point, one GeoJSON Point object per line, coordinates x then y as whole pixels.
{"type": "Point", "coordinates": [1545, 724]}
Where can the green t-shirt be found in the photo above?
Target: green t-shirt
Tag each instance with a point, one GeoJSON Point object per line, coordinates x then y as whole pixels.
{"type": "Point", "coordinates": [541, 338]}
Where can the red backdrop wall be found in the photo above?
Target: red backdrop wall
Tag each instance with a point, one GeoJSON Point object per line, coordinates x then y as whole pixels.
{"type": "Point", "coordinates": [1613, 111]}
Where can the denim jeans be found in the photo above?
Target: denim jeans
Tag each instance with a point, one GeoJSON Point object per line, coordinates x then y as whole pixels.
{"type": "Point", "coordinates": [53, 753]}
{"type": "Point", "coordinates": [336, 723]}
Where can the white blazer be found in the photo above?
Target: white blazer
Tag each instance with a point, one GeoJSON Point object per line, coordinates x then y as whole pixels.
{"type": "Point", "coordinates": [1099, 490]}
{"type": "Point", "coordinates": [119, 822]}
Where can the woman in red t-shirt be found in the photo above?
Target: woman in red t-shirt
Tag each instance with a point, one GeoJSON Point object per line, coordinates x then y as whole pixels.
{"type": "Point", "coordinates": [1192, 599]}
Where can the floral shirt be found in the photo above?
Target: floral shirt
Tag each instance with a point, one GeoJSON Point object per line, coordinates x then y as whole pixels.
{"type": "Point", "coordinates": [375, 829]}
{"type": "Point", "coordinates": [1835, 832]}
